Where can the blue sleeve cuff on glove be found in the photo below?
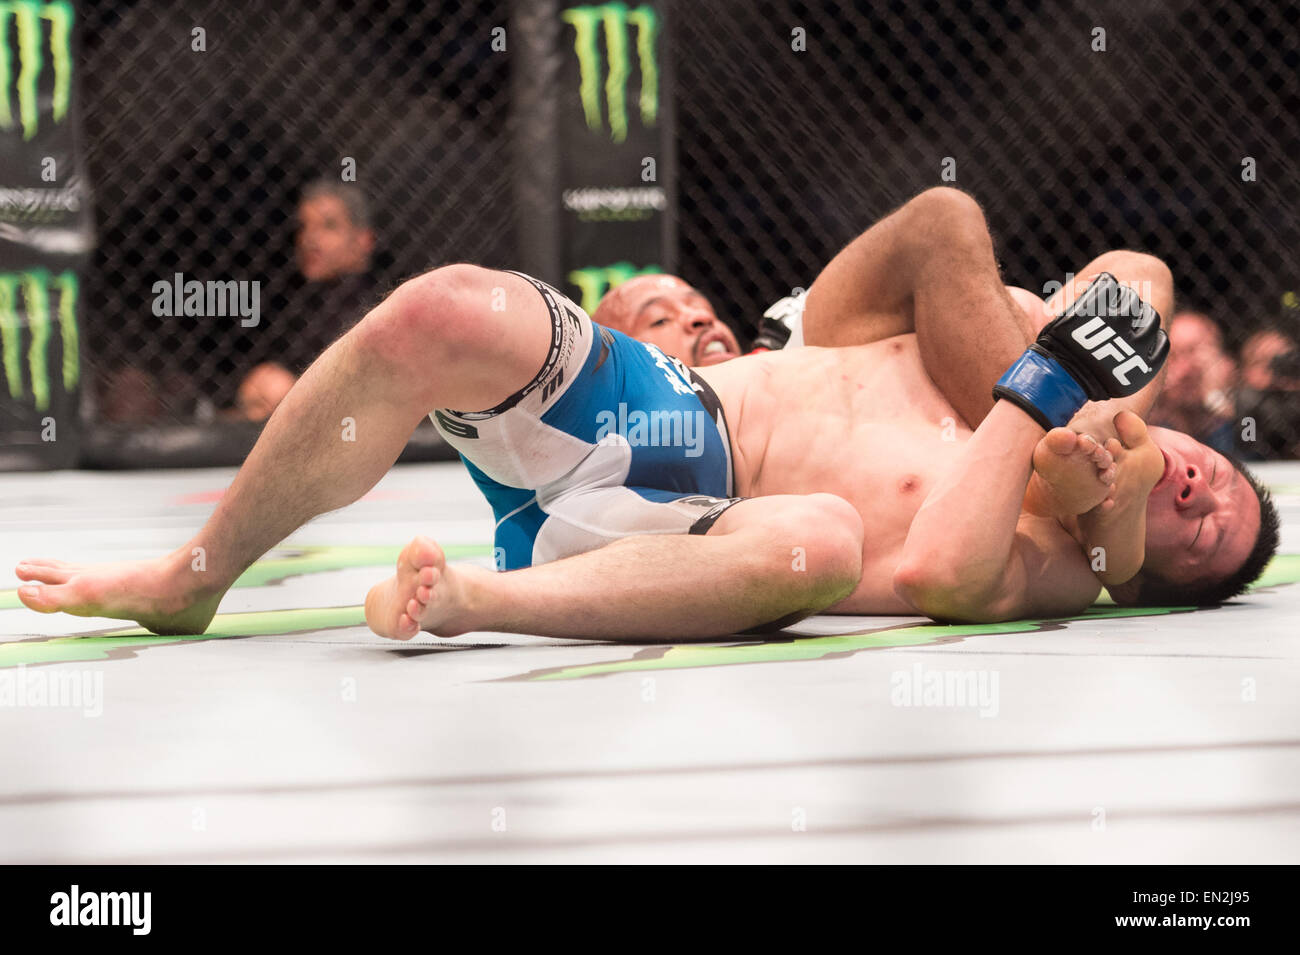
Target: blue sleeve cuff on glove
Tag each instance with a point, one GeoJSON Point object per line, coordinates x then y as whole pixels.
{"type": "Point", "coordinates": [1043, 383]}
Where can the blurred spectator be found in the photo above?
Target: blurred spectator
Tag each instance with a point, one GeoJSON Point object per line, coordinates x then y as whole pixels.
{"type": "Point", "coordinates": [1269, 399]}
{"type": "Point", "coordinates": [1196, 395]}
{"type": "Point", "coordinates": [333, 248]}
{"type": "Point", "coordinates": [263, 389]}
{"type": "Point", "coordinates": [1260, 369]}
{"type": "Point", "coordinates": [334, 236]}
{"type": "Point", "coordinates": [128, 395]}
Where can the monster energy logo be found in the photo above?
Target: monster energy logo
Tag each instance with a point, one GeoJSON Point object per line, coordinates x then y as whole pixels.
{"type": "Point", "coordinates": [28, 60]}
{"type": "Point", "coordinates": [615, 17]}
{"type": "Point", "coordinates": [593, 282]}
{"type": "Point", "coordinates": [28, 294]}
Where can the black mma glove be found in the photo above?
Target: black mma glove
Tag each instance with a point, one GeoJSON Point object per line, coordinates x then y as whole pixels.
{"type": "Point", "coordinates": [1107, 344]}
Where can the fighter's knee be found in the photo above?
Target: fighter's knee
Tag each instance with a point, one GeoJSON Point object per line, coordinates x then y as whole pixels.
{"type": "Point", "coordinates": [436, 309]}
{"type": "Point", "coordinates": [824, 535]}
{"type": "Point", "coordinates": [442, 297]}
{"type": "Point", "coordinates": [947, 221]}
{"type": "Point", "coordinates": [1136, 267]}
{"type": "Point", "coordinates": [948, 204]}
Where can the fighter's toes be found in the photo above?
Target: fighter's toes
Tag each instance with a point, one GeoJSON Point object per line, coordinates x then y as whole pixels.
{"type": "Point", "coordinates": [52, 597]}
{"type": "Point", "coordinates": [1131, 429]}
{"type": "Point", "coordinates": [1103, 461]}
{"type": "Point", "coordinates": [46, 573]}
{"type": "Point", "coordinates": [1061, 441]}
{"type": "Point", "coordinates": [45, 562]}
{"type": "Point", "coordinates": [396, 607]}
{"type": "Point", "coordinates": [421, 555]}
{"type": "Point", "coordinates": [35, 598]}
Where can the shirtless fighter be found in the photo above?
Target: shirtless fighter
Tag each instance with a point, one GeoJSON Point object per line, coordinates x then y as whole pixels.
{"type": "Point", "coordinates": [817, 461]}
{"type": "Point", "coordinates": [875, 289]}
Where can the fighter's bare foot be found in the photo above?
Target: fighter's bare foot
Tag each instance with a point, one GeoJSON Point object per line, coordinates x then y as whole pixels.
{"type": "Point", "coordinates": [424, 594]}
{"type": "Point", "coordinates": [163, 595]}
{"type": "Point", "coordinates": [1116, 528]}
{"type": "Point", "coordinates": [1072, 473]}
{"type": "Point", "coordinates": [1139, 464]}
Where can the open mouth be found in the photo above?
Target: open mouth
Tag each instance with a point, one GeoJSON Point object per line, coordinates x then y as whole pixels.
{"type": "Point", "coordinates": [712, 350]}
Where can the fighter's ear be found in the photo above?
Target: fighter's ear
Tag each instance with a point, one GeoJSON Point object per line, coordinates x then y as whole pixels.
{"type": "Point", "coordinates": [1126, 594]}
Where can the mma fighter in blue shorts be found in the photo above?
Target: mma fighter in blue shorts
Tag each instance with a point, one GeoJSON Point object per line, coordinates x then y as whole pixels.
{"type": "Point", "coordinates": [817, 479]}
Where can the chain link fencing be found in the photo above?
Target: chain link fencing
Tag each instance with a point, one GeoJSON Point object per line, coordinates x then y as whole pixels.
{"type": "Point", "coordinates": [1175, 130]}
{"type": "Point", "coordinates": [1170, 127]}
{"type": "Point", "coordinates": [197, 158]}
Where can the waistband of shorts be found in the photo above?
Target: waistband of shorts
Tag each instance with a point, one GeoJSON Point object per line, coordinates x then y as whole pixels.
{"type": "Point", "coordinates": [713, 405]}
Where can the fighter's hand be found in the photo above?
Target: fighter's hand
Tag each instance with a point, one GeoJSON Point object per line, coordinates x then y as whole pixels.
{"type": "Point", "coordinates": [1107, 344]}
{"type": "Point", "coordinates": [1072, 474]}
{"type": "Point", "coordinates": [1138, 466]}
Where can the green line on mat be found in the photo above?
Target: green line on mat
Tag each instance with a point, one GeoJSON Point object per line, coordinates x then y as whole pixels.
{"type": "Point", "coordinates": [1284, 569]}
{"type": "Point", "coordinates": [312, 559]}
{"type": "Point", "coordinates": [786, 650]}
{"type": "Point", "coordinates": [120, 643]}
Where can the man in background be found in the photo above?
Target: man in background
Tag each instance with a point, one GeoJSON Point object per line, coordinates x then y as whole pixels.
{"type": "Point", "coordinates": [1268, 404]}
{"type": "Point", "coordinates": [1197, 394]}
{"type": "Point", "coordinates": [333, 248]}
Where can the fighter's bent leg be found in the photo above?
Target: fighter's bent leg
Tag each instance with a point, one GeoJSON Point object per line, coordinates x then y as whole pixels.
{"type": "Point", "coordinates": [928, 267]}
{"type": "Point", "coordinates": [968, 326]}
{"type": "Point", "coordinates": [966, 349]}
{"type": "Point", "coordinates": [1145, 274]}
{"type": "Point", "coordinates": [766, 561]}
{"type": "Point", "coordinates": [864, 293]}
{"type": "Point", "coordinates": [458, 336]}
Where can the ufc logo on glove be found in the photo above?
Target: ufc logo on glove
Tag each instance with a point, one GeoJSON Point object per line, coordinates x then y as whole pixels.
{"type": "Point", "coordinates": [1094, 333]}
{"type": "Point", "coordinates": [1107, 344]}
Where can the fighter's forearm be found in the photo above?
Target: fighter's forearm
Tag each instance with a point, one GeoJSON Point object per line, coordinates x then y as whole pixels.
{"type": "Point", "coordinates": [961, 538]}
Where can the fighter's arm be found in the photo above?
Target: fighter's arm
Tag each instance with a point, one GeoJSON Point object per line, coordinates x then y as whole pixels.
{"type": "Point", "coordinates": [1118, 528]}
{"type": "Point", "coordinates": [965, 555]}
{"type": "Point", "coordinates": [872, 290]}
{"type": "Point", "coordinates": [972, 555]}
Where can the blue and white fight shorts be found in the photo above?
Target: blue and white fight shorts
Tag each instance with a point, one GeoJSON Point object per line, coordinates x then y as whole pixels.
{"type": "Point", "coordinates": [611, 438]}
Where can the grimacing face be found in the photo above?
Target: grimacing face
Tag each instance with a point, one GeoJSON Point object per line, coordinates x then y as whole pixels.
{"type": "Point", "coordinates": [1202, 516]}
{"type": "Point", "coordinates": [665, 311]}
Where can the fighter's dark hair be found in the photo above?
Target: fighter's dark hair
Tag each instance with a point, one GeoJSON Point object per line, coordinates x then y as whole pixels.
{"type": "Point", "coordinates": [1156, 591]}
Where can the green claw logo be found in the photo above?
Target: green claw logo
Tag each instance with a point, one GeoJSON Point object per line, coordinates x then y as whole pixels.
{"type": "Point", "coordinates": [615, 18]}
{"type": "Point", "coordinates": [28, 294]}
{"type": "Point", "coordinates": [593, 282]}
{"type": "Point", "coordinates": [20, 68]}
